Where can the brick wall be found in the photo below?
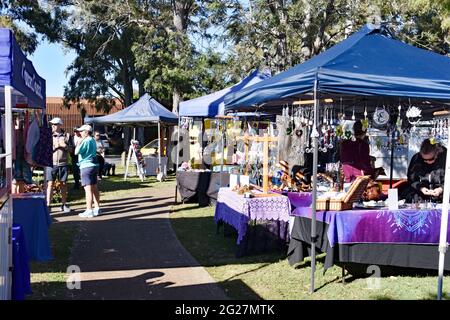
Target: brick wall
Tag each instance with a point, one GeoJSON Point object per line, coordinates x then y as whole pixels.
{"type": "Point", "coordinates": [71, 117]}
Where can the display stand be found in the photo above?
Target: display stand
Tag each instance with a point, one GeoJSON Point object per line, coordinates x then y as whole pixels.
{"type": "Point", "coordinates": [132, 157]}
{"type": "Point", "coordinates": [265, 139]}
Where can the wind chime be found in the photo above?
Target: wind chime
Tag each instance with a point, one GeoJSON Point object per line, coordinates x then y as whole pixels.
{"type": "Point", "coordinates": [328, 131]}
{"type": "Point", "coordinates": [440, 130]}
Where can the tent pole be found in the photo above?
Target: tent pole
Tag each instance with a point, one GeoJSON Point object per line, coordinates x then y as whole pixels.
{"type": "Point", "coordinates": [159, 146]}
{"type": "Point", "coordinates": [315, 137]}
{"type": "Point", "coordinates": [8, 134]}
{"type": "Point", "coordinates": [8, 167]}
{"type": "Point", "coordinates": [177, 159]}
{"type": "Point", "coordinates": [223, 152]}
{"type": "Point", "coordinates": [443, 244]}
{"type": "Point", "coordinates": [392, 159]}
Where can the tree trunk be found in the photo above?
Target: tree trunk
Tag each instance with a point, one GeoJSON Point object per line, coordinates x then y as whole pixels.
{"type": "Point", "coordinates": [176, 99]}
{"type": "Point", "coordinates": [127, 82]}
{"type": "Point", "coordinates": [181, 11]}
{"type": "Point", "coordinates": [141, 88]}
{"type": "Point", "coordinates": [306, 48]}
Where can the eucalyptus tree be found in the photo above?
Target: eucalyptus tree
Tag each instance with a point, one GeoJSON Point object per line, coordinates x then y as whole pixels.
{"type": "Point", "coordinates": [29, 19]}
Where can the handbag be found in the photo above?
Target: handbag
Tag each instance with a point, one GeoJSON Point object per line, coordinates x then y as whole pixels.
{"type": "Point", "coordinates": [44, 147]}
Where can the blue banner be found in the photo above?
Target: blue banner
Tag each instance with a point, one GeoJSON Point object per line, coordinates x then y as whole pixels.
{"type": "Point", "coordinates": [17, 71]}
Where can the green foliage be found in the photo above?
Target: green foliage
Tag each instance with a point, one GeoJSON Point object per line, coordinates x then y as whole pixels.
{"type": "Point", "coordinates": [181, 49]}
{"type": "Point", "coordinates": [41, 18]}
{"type": "Point", "coordinates": [280, 34]}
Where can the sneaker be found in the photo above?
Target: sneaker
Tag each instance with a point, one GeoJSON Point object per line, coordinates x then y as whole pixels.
{"type": "Point", "coordinates": [65, 208]}
{"type": "Point", "coordinates": [86, 214]}
{"type": "Point", "coordinates": [96, 212]}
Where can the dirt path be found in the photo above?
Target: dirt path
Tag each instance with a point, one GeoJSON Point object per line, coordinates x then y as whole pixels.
{"type": "Point", "coordinates": [131, 252]}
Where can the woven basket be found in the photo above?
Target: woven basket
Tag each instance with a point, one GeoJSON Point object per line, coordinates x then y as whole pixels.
{"type": "Point", "coordinates": [354, 194]}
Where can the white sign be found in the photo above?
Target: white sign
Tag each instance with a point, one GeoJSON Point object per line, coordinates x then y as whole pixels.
{"type": "Point", "coordinates": [393, 199]}
{"type": "Point", "coordinates": [31, 82]}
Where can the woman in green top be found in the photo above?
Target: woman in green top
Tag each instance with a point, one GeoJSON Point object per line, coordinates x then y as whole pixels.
{"type": "Point", "coordinates": [86, 150]}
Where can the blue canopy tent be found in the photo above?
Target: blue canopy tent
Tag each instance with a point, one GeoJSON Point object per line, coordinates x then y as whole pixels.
{"type": "Point", "coordinates": [143, 112]}
{"type": "Point", "coordinates": [21, 87]}
{"type": "Point", "coordinates": [371, 62]}
{"type": "Point", "coordinates": [211, 105]}
{"type": "Point", "coordinates": [18, 73]}
{"type": "Point", "coordinates": [146, 111]}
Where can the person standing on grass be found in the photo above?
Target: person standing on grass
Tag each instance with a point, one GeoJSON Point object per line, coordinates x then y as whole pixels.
{"type": "Point", "coordinates": [60, 169]}
{"type": "Point", "coordinates": [87, 160]}
{"type": "Point", "coordinates": [100, 154]}
{"type": "Point", "coordinates": [74, 141]}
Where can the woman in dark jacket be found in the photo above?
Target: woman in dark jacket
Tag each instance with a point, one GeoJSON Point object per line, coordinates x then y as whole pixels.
{"type": "Point", "coordinates": [426, 173]}
{"type": "Point", "coordinates": [355, 155]}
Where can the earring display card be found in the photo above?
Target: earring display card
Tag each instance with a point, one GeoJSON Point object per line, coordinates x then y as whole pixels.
{"type": "Point", "coordinates": [234, 180]}
{"type": "Point", "coordinates": [244, 180]}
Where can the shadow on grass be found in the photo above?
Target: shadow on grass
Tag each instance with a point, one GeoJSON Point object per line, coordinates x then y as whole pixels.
{"type": "Point", "coordinates": [172, 211]}
{"type": "Point", "coordinates": [433, 296]}
{"type": "Point", "coordinates": [199, 236]}
{"type": "Point", "coordinates": [112, 184]}
{"type": "Point", "coordinates": [306, 263]}
{"type": "Point", "coordinates": [357, 270]}
{"type": "Point", "coordinates": [146, 286]}
{"type": "Point", "coordinates": [61, 238]}
{"type": "Point", "coordinates": [54, 286]}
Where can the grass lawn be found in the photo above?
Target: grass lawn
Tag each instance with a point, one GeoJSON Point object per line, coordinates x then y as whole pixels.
{"type": "Point", "coordinates": [269, 275]}
{"type": "Point", "coordinates": [48, 279]}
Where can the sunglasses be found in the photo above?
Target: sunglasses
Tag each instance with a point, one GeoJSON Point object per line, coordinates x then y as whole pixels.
{"type": "Point", "coordinates": [429, 160]}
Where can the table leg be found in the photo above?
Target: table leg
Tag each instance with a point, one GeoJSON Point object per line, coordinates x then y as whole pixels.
{"type": "Point", "coordinates": [219, 223]}
{"type": "Point", "coordinates": [343, 274]}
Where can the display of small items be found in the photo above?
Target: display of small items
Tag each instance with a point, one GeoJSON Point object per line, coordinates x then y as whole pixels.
{"type": "Point", "coordinates": [244, 190]}
{"type": "Point", "coordinates": [282, 181]}
{"type": "Point", "coordinates": [137, 150]}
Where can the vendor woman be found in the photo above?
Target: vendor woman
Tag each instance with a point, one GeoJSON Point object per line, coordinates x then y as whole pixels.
{"type": "Point", "coordinates": [426, 173]}
{"type": "Point", "coordinates": [355, 155]}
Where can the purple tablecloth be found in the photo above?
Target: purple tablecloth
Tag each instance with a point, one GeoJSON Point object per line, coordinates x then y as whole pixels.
{"type": "Point", "coordinates": [297, 199]}
{"type": "Point", "coordinates": [21, 270]}
{"type": "Point", "coordinates": [237, 211]}
{"type": "Point", "coordinates": [32, 214]}
{"type": "Point", "coordinates": [405, 226]}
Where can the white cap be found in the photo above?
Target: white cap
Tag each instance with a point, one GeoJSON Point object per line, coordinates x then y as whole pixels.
{"type": "Point", "coordinates": [85, 127]}
{"type": "Point", "coordinates": [56, 120]}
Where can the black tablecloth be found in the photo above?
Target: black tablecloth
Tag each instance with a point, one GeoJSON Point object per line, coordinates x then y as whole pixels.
{"type": "Point", "coordinates": [415, 256]}
{"type": "Point", "coordinates": [201, 187]}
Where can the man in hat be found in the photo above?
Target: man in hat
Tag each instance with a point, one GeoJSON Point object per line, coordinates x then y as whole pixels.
{"type": "Point", "coordinates": [59, 172]}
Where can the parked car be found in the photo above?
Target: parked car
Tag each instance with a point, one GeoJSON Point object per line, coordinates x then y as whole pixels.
{"type": "Point", "coordinates": [105, 140]}
{"type": "Point", "coordinates": [151, 148]}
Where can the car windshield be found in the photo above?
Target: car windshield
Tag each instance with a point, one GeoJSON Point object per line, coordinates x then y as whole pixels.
{"type": "Point", "coordinates": [153, 144]}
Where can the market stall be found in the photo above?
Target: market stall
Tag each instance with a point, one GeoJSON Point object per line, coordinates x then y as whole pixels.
{"type": "Point", "coordinates": [238, 211]}
{"type": "Point", "coordinates": [369, 76]}
{"type": "Point", "coordinates": [205, 150]}
{"type": "Point", "coordinates": [407, 237]}
{"type": "Point", "coordinates": [23, 89]}
{"type": "Point", "coordinates": [144, 112]}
